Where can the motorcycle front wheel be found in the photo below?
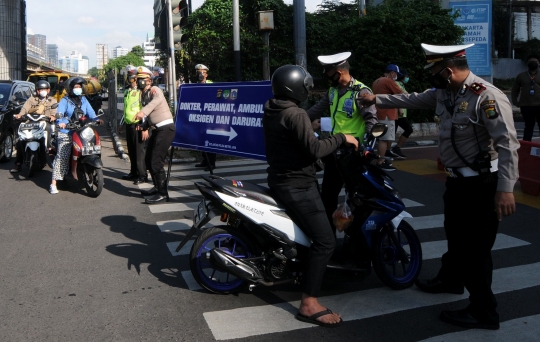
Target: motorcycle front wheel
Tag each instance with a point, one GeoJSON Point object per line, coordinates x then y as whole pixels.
{"type": "Point", "coordinates": [386, 262]}
{"type": "Point", "coordinates": [229, 241]}
{"type": "Point", "coordinates": [32, 163]}
{"type": "Point", "coordinates": [93, 181]}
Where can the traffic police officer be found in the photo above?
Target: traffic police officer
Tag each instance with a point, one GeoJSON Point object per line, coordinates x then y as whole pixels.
{"type": "Point", "coordinates": [157, 116]}
{"type": "Point", "coordinates": [209, 158]}
{"type": "Point", "coordinates": [346, 115]}
{"type": "Point", "coordinates": [478, 145]}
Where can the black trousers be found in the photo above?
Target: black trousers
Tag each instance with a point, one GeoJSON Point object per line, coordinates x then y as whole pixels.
{"type": "Point", "coordinates": [405, 125]}
{"type": "Point", "coordinates": [470, 224]}
{"type": "Point", "coordinates": [136, 149]}
{"type": "Point", "coordinates": [331, 187]}
{"type": "Point", "coordinates": [306, 207]}
{"type": "Point", "coordinates": [531, 115]}
{"type": "Point", "coordinates": [158, 146]}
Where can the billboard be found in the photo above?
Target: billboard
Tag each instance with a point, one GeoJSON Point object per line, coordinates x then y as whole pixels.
{"type": "Point", "coordinates": [224, 118]}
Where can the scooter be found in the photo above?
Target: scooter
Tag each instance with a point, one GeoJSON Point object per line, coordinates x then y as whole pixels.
{"type": "Point", "coordinates": [33, 132]}
{"type": "Point", "coordinates": [259, 243]}
{"type": "Point", "coordinates": [85, 158]}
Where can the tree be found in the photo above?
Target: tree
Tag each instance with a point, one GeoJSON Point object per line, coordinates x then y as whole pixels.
{"type": "Point", "coordinates": [137, 50]}
{"type": "Point", "coordinates": [93, 72]}
{"type": "Point", "coordinates": [121, 62]}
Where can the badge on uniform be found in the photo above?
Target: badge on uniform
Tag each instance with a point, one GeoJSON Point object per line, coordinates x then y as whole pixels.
{"type": "Point", "coordinates": [477, 88]}
{"type": "Point", "coordinates": [331, 98]}
{"type": "Point", "coordinates": [489, 109]}
{"type": "Point", "coordinates": [463, 107]}
{"type": "Point", "coordinates": [348, 107]}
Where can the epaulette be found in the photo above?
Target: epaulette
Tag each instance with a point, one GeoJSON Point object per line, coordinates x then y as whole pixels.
{"type": "Point", "coordinates": [477, 88]}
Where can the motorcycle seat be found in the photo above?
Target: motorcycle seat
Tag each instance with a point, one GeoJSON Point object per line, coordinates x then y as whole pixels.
{"type": "Point", "coordinates": [253, 191]}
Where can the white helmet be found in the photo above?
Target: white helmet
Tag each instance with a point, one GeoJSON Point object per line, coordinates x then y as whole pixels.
{"type": "Point", "coordinates": [144, 72]}
{"type": "Point", "coordinates": [201, 67]}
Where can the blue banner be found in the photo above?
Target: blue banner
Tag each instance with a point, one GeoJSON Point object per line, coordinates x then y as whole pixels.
{"type": "Point", "coordinates": [475, 18]}
{"type": "Point", "coordinates": [224, 118]}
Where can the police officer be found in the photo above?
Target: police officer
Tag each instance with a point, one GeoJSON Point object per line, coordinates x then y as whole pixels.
{"type": "Point", "coordinates": [346, 115]}
{"type": "Point", "coordinates": [156, 115]}
{"type": "Point", "coordinates": [39, 103]}
{"type": "Point", "coordinates": [208, 157]}
{"type": "Point", "coordinates": [135, 139]}
{"type": "Point", "coordinates": [478, 145]}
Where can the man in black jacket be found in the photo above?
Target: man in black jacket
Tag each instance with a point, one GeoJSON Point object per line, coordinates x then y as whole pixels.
{"type": "Point", "coordinates": [292, 151]}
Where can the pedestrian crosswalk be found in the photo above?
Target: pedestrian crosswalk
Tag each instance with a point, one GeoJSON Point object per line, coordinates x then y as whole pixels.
{"type": "Point", "coordinates": [358, 305]}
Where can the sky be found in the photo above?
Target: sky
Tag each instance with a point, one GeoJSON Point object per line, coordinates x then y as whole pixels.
{"type": "Point", "coordinates": [80, 25]}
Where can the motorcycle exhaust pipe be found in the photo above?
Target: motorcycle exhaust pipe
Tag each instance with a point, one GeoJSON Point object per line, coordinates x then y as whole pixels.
{"type": "Point", "coordinates": [237, 267]}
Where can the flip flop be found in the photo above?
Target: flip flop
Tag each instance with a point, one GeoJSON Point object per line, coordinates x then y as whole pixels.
{"type": "Point", "coordinates": [313, 319]}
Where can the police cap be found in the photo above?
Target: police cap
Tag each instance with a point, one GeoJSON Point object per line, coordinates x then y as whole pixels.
{"type": "Point", "coordinates": [331, 61]}
{"type": "Point", "coordinates": [201, 67]}
{"type": "Point", "coordinates": [437, 53]}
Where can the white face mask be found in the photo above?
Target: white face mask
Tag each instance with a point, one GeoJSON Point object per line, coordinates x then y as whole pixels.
{"type": "Point", "coordinates": [43, 93]}
{"type": "Point", "coordinates": [77, 91]}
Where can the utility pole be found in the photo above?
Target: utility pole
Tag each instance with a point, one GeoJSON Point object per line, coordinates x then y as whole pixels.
{"type": "Point", "coordinates": [299, 13]}
{"type": "Point", "coordinates": [236, 40]}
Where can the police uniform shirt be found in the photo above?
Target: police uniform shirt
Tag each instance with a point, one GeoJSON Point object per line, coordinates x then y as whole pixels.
{"type": "Point", "coordinates": [32, 105]}
{"type": "Point", "coordinates": [479, 104]}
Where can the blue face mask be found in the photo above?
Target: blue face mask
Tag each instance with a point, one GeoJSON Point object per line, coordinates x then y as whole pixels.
{"type": "Point", "coordinates": [77, 91]}
{"type": "Point", "coordinates": [405, 80]}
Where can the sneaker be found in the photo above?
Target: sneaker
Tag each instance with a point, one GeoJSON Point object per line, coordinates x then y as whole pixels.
{"type": "Point", "coordinates": [53, 190]}
{"type": "Point", "coordinates": [16, 168]}
{"type": "Point", "coordinates": [396, 152]}
{"type": "Point", "coordinates": [386, 166]}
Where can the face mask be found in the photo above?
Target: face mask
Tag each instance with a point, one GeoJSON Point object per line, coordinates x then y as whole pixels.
{"type": "Point", "coordinates": [405, 80]}
{"type": "Point", "coordinates": [77, 91]}
{"type": "Point", "coordinates": [332, 80]}
{"type": "Point", "coordinates": [43, 93]}
{"type": "Point", "coordinates": [532, 65]}
{"type": "Point", "coordinates": [200, 76]}
{"type": "Point", "coordinates": [394, 78]}
{"type": "Point", "coordinates": [438, 81]}
{"type": "Point", "coordinates": [141, 83]}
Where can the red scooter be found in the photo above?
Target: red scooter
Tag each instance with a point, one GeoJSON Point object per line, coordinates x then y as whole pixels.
{"type": "Point", "coordinates": [85, 159]}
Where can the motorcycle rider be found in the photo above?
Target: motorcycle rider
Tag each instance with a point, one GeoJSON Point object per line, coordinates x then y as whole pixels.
{"type": "Point", "coordinates": [155, 114]}
{"type": "Point", "coordinates": [39, 103]}
{"type": "Point", "coordinates": [291, 152]}
{"type": "Point", "coordinates": [74, 103]}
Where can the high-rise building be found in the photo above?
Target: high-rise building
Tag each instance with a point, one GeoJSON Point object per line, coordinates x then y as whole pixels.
{"type": "Point", "coordinates": [102, 55]}
{"type": "Point", "coordinates": [39, 41]}
{"type": "Point", "coordinates": [52, 54]}
{"type": "Point", "coordinates": [119, 51]}
{"type": "Point", "coordinates": [150, 52]}
{"type": "Point", "coordinates": [74, 63]}
{"type": "Point", "coordinates": [13, 61]}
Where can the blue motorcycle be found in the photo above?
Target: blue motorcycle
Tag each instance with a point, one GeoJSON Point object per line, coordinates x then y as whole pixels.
{"type": "Point", "coordinates": [259, 244]}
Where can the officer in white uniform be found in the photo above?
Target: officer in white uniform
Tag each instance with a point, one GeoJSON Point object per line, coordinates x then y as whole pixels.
{"type": "Point", "coordinates": [478, 145]}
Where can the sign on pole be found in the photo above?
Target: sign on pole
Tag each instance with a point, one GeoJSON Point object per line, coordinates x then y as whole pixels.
{"type": "Point", "coordinates": [224, 118]}
{"type": "Point", "coordinates": [475, 17]}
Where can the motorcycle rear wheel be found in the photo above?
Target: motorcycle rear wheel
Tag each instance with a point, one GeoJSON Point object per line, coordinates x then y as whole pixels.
{"type": "Point", "coordinates": [210, 278]}
{"type": "Point", "coordinates": [93, 181]}
{"type": "Point", "coordinates": [386, 262]}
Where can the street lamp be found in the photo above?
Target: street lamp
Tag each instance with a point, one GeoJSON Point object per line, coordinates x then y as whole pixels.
{"type": "Point", "coordinates": [266, 24]}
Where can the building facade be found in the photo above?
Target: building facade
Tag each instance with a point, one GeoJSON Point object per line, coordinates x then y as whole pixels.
{"type": "Point", "coordinates": [102, 55]}
{"type": "Point", "coordinates": [12, 39]}
{"type": "Point", "coordinates": [74, 63]}
{"type": "Point", "coordinates": [150, 52]}
{"type": "Point", "coordinates": [52, 54]}
{"type": "Point", "coordinates": [119, 52]}
{"type": "Point", "coordinates": [40, 41]}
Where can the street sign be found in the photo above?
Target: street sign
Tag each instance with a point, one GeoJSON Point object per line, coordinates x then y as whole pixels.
{"type": "Point", "coordinates": [225, 118]}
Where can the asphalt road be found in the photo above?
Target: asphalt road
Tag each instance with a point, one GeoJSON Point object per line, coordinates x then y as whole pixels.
{"type": "Point", "coordinates": [75, 268]}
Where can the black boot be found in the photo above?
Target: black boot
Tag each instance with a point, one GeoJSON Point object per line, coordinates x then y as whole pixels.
{"type": "Point", "coordinates": [161, 184]}
{"type": "Point", "coordinates": [152, 191]}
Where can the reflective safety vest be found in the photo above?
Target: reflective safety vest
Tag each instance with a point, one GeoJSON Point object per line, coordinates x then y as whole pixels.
{"type": "Point", "coordinates": [344, 112]}
{"type": "Point", "coordinates": [132, 105]}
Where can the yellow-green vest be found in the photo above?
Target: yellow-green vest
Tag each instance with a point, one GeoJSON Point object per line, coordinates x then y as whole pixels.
{"type": "Point", "coordinates": [132, 105]}
{"type": "Point", "coordinates": [344, 112]}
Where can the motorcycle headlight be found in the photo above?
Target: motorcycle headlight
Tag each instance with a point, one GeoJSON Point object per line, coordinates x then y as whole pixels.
{"type": "Point", "coordinates": [87, 134]}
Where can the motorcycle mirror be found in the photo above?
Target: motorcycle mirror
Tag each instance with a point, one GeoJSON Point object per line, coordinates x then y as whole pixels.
{"type": "Point", "coordinates": [54, 106]}
{"type": "Point", "coordinates": [100, 112]}
{"type": "Point", "coordinates": [379, 129]}
{"type": "Point", "coordinates": [59, 115]}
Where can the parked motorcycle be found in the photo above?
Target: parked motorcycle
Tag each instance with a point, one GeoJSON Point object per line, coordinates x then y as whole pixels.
{"type": "Point", "coordinates": [85, 159]}
{"type": "Point", "coordinates": [259, 244]}
{"type": "Point", "coordinates": [33, 132]}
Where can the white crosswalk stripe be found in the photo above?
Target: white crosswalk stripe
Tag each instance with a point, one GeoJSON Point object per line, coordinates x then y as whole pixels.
{"type": "Point", "coordinates": [357, 305]}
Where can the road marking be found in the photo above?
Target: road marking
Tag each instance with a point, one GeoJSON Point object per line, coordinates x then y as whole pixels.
{"type": "Point", "coordinates": [184, 251]}
{"type": "Point", "coordinates": [268, 319]}
{"type": "Point", "coordinates": [190, 281]}
{"type": "Point", "coordinates": [435, 249]}
{"type": "Point", "coordinates": [426, 222]}
{"type": "Point", "coordinates": [519, 329]}
{"type": "Point", "coordinates": [170, 207]}
{"type": "Point", "coordinates": [174, 225]}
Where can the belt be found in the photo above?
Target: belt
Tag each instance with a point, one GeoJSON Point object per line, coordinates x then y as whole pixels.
{"type": "Point", "coordinates": [164, 122]}
{"type": "Point", "coordinates": [457, 172]}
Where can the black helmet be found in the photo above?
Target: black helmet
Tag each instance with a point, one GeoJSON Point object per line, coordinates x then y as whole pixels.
{"type": "Point", "coordinates": [292, 81]}
{"type": "Point", "coordinates": [42, 84]}
{"type": "Point", "coordinates": [70, 83]}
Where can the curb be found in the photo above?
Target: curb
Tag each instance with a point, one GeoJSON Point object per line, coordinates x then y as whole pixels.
{"type": "Point", "coordinates": [183, 160]}
{"type": "Point", "coordinates": [117, 144]}
{"type": "Point", "coordinates": [420, 143]}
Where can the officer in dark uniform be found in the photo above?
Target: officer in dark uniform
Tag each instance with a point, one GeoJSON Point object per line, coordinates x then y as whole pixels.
{"type": "Point", "coordinates": [478, 145]}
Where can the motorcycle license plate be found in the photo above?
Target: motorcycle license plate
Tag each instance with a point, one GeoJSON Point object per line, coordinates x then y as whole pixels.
{"type": "Point", "coordinates": [199, 214]}
{"type": "Point", "coordinates": [88, 150]}
{"type": "Point", "coordinates": [29, 126]}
